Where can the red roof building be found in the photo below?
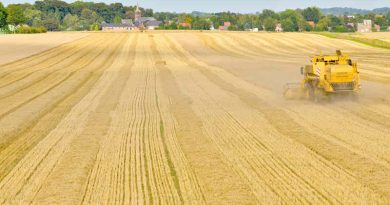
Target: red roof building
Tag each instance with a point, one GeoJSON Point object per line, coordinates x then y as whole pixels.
{"type": "Point", "coordinates": [225, 26]}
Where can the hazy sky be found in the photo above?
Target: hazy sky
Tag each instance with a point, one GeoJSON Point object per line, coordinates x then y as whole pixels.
{"type": "Point", "coordinates": [243, 6]}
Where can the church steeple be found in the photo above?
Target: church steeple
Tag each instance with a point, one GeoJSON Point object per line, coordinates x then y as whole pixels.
{"type": "Point", "coordinates": [138, 13]}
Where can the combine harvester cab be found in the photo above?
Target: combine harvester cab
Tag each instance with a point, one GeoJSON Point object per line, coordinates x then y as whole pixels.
{"type": "Point", "coordinates": [327, 74]}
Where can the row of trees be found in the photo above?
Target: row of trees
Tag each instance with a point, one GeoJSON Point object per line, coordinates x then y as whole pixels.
{"type": "Point", "coordinates": [309, 19]}
{"type": "Point", "coordinates": [60, 15]}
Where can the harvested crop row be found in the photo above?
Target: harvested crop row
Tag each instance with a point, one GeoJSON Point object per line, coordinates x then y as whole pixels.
{"type": "Point", "coordinates": [189, 118]}
{"type": "Point", "coordinates": [290, 49]}
{"type": "Point", "coordinates": [135, 161]}
{"type": "Point", "coordinates": [23, 71]}
{"type": "Point", "coordinates": [225, 129]}
{"type": "Point", "coordinates": [32, 162]}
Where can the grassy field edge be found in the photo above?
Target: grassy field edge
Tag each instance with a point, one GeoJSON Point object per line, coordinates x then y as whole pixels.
{"type": "Point", "coordinates": [366, 41]}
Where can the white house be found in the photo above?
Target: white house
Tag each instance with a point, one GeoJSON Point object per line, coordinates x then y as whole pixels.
{"type": "Point", "coordinates": [366, 26]}
{"type": "Point", "coordinates": [279, 28]}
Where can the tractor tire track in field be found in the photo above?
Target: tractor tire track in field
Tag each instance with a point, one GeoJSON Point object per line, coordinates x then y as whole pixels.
{"type": "Point", "coordinates": [30, 172]}
{"type": "Point", "coordinates": [22, 74]}
{"type": "Point", "coordinates": [200, 151]}
{"type": "Point", "coordinates": [152, 118]}
{"type": "Point", "coordinates": [42, 56]}
{"type": "Point", "coordinates": [287, 126]}
{"type": "Point", "coordinates": [81, 154]}
{"type": "Point", "coordinates": [151, 173]}
{"type": "Point", "coordinates": [40, 78]}
{"type": "Point", "coordinates": [11, 120]}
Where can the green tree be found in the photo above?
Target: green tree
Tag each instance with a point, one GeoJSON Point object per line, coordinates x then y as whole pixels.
{"type": "Point", "coordinates": [323, 24]}
{"type": "Point", "coordinates": [94, 27]}
{"type": "Point", "coordinates": [311, 14]}
{"type": "Point", "coordinates": [170, 26]}
{"type": "Point", "coordinates": [270, 24]}
{"type": "Point", "coordinates": [380, 20]}
{"type": "Point", "coordinates": [117, 20]}
{"type": "Point", "coordinates": [88, 17]}
{"type": "Point", "coordinates": [33, 16]}
{"type": "Point", "coordinates": [186, 18]}
{"type": "Point", "coordinates": [60, 8]}
{"type": "Point", "coordinates": [267, 13]}
{"type": "Point", "coordinates": [201, 24]}
{"type": "Point", "coordinates": [3, 16]}
{"type": "Point", "coordinates": [51, 22]}
{"type": "Point", "coordinates": [335, 21]}
{"type": "Point", "coordinates": [129, 14]}
{"type": "Point", "coordinates": [388, 17]}
{"type": "Point", "coordinates": [288, 25]}
{"type": "Point", "coordinates": [148, 12]}
{"type": "Point", "coordinates": [15, 15]}
{"type": "Point", "coordinates": [293, 19]}
{"type": "Point", "coordinates": [71, 22]}
{"type": "Point", "coordinates": [77, 6]}
{"type": "Point", "coordinates": [341, 28]}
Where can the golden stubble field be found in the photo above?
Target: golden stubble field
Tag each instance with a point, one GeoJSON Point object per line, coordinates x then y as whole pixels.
{"type": "Point", "coordinates": [190, 118]}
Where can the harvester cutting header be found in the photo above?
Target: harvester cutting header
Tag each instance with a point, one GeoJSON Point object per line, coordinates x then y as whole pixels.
{"type": "Point", "coordinates": [327, 74]}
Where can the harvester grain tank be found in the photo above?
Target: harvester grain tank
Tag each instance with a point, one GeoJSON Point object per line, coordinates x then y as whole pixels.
{"type": "Point", "coordinates": [327, 74]}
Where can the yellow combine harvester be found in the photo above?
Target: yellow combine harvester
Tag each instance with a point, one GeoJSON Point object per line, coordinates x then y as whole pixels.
{"type": "Point", "coordinates": [327, 74]}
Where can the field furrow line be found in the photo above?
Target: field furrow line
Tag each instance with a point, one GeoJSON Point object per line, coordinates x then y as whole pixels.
{"type": "Point", "coordinates": [46, 67]}
{"type": "Point", "coordinates": [259, 46]}
{"type": "Point", "coordinates": [275, 44]}
{"type": "Point", "coordinates": [235, 45]}
{"type": "Point", "coordinates": [240, 184]}
{"type": "Point", "coordinates": [40, 127]}
{"type": "Point", "coordinates": [55, 144]}
{"type": "Point", "coordinates": [345, 134]}
{"type": "Point", "coordinates": [258, 50]}
{"type": "Point", "coordinates": [225, 85]}
{"type": "Point", "coordinates": [264, 42]}
{"type": "Point", "coordinates": [227, 45]}
{"type": "Point", "coordinates": [136, 111]}
{"type": "Point", "coordinates": [83, 150]}
{"type": "Point", "coordinates": [45, 87]}
{"type": "Point", "coordinates": [97, 185]}
{"type": "Point", "coordinates": [42, 56]}
{"type": "Point", "coordinates": [214, 45]}
{"type": "Point", "coordinates": [228, 143]}
{"type": "Point", "coordinates": [179, 167]}
{"type": "Point", "coordinates": [11, 121]}
{"type": "Point", "coordinates": [36, 78]}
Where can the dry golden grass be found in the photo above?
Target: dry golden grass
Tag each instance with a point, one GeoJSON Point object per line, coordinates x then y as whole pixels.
{"type": "Point", "coordinates": [190, 118]}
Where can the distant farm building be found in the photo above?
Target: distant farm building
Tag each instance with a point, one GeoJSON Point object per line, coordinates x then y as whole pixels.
{"type": "Point", "coordinates": [377, 27]}
{"type": "Point", "coordinates": [278, 28]}
{"type": "Point", "coordinates": [125, 25]}
{"type": "Point", "coordinates": [185, 25]}
{"type": "Point", "coordinates": [225, 26]}
{"type": "Point", "coordinates": [366, 26]}
{"type": "Point", "coordinates": [350, 25]}
{"type": "Point", "coordinates": [311, 23]}
{"type": "Point", "coordinates": [140, 22]}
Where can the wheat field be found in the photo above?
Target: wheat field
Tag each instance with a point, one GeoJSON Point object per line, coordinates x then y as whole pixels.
{"type": "Point", "coordinates": [190, 118]}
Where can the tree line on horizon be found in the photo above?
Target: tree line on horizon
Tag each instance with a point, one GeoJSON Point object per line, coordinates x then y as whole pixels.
{"type": "Point", "coordinates": [57, 15]}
